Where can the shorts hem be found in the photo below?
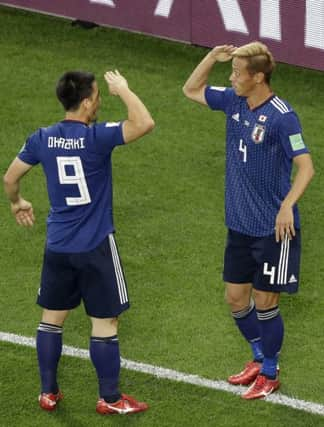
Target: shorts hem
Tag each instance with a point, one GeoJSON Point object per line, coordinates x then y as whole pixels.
{"type": "Point", "coordinates": [47, 307]}
{"type": "Point", "coordinates": [109, 315]}
{"type": "Point", "coordinates": [277, 291]}
{"type": "Point", "coordinates": [239, 282]}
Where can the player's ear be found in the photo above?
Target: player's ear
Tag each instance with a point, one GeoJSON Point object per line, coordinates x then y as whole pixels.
{"type": "Point", "coordinates": [259, 77]}
{"type": "Point", "coordinates": [86, 103]}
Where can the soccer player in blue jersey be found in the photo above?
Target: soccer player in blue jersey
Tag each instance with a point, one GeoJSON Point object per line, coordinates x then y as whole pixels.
{"type": "Point", "coordinates": [264, 140]}
{"type": "Point", "coordinates": [81, 261]}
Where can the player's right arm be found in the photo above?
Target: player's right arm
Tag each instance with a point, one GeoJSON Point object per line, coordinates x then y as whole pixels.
{"type": "Point", "coordinates": [195, 86]}
{"type": "Point", "coordinates": [20, 208]}
{"type": "Point", "coordinates": [139, 121]}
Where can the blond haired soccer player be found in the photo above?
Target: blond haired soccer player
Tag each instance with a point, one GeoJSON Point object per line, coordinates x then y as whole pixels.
{"type": "Point", "coordinates": [81, 261]}
{"type": "Point", "coordinates": [262, 255]}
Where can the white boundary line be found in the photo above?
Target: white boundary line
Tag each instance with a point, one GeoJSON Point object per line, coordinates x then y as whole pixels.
{"type": "Point", "coordinates": [170, 374]}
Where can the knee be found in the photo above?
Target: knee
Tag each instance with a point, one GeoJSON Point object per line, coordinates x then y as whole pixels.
{"type": "Point", "coordinates": [104, 327]}
{"type": "Point", "coordinates": [54, 317]}
{"type": "Point", "coordinates": [265, 300]}
{"type": "Point", "coordinates": [231, 299]}
{"type": "Point", "coordinates": [238, 296]}
{"type": "Point", "coordinates": [113, 323]}
{"type": "Point", "coordinates": [236, 301]}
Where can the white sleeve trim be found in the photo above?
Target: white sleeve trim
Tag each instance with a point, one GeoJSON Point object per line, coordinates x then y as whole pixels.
{"type": "Point", "coordinates": [112, 124]}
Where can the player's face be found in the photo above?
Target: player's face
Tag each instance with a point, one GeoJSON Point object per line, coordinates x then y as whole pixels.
{"type": "Point", "coordinates": [94, 103]}
{"type": "Point", "coordinates": [242, 81]}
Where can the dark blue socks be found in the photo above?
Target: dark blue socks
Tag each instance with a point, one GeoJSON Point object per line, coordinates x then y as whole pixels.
{"type": "Point", "coordinates": [264, 330]}
{"type": "Point", "coordinates": [104, 353]}
{"type": "Point", "coordinates": [272, 333]}
{"type": "Point", "coordinates": [49, 349]}
{"type": "Point", "coordinates": [247, 322]}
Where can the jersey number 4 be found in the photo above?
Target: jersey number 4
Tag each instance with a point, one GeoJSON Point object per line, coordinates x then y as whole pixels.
{"type": "Point", "coordinates": [76, 178]}
{"type": "Point", "coordinates": [243, 148]}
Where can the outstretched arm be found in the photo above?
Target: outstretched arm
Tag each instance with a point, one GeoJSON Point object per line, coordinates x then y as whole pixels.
{"type": "Point", "coordinates": [194, 87]}
{"type": "Point", "coordinates": [20, 208]}
{"type": "Point", "coordinates": [139, 121]}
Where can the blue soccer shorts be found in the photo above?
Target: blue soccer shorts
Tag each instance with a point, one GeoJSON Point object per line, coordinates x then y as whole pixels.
{"type": "Point", "coordinates": [94, 277]}
{"type": "Point", "coordinates": [268, 265]}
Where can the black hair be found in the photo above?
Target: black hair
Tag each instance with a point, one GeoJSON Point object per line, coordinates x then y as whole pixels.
{"type": "Point", "coordinates": [73, 87]}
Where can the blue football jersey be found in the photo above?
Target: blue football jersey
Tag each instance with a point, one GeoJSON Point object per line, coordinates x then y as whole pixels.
{"type": "Point", "coordinates": [76, 160]}
{"type": "Point", "coordinates": [260, 146]}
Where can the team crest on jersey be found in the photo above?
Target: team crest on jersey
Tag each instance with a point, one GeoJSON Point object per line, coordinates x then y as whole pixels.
{"type": "Point", "coordinates": [258, 133]}
{"type": "Point", "coordinates": [262, 118]}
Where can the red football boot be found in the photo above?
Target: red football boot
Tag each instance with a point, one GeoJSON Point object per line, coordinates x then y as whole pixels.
{"type": "Point", "coordinates": [261, 387]}
{"type": "Point", "coordinates": [48, 401]}
{"type": "Point", "coordinates": [247, 376]}
{"type": "Point", "coordinates": [125, 405]}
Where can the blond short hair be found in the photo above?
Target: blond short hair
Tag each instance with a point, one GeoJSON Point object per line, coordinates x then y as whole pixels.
{"type": "Point", "coordinates": [259, 58]}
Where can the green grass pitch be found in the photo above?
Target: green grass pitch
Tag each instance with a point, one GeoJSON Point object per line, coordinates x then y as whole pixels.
{"type": "Point", "coordinates": [168, 199]}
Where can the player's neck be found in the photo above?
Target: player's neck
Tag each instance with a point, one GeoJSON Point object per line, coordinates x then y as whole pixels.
{"type": "Point", "coordinates": [77, 116]}
{"type": "Point", "coordinates": [259, 96]}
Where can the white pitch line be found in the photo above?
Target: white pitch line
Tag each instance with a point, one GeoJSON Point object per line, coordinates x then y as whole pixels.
{"type": "Point", "coordinates": [170, 374]}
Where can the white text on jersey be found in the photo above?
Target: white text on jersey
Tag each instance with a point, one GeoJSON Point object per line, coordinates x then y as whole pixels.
{"type": "Point", "coordinates": [65, 143]}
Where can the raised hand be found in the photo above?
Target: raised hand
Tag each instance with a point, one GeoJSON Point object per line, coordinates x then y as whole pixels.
{"type": "Point", "coordinates": [115, 82]}
{"type": "Point", "coordinates": [223, 53]}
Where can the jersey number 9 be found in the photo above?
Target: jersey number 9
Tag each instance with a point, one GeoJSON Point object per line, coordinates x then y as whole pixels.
{"type": "Point", "coordinates": [77, 178]}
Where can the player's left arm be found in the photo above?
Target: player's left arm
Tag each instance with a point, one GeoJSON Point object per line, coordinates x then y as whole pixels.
{"type": "Point", "coordinates": [20, 208]}
{"type": "Point", "coordinates": [285, 217]}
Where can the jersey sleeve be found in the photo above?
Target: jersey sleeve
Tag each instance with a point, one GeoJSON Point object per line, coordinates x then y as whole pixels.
{"type": "Point", "coordinates": [108, 135]}
{"type": "Point", "coordinates": [290, 135]}
{"type": "Point", "coordinates": [219, 98]}
{"type": "Point", "coordinates": [30, 150]}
